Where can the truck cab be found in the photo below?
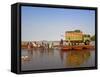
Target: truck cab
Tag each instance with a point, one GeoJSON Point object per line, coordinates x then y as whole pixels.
{"type": "Point", "coordinates": [86, 39]}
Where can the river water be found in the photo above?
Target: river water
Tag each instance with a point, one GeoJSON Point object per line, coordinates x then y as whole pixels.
{"type": "Point", "coordinates": [38, 59]}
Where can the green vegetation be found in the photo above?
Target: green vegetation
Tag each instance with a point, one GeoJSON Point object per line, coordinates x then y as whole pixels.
{"type": "Point", "coordinates": [93, 38]}
{"type": "Point", "coordinates": [74, 31]}
{"type": "Point", "coordinates": [77, 31]}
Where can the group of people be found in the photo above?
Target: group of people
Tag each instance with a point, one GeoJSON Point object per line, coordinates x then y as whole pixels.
{"type": "Point", "coordinates": [46, 45]}
{"type": "Point", "coordinates": [39, 45]}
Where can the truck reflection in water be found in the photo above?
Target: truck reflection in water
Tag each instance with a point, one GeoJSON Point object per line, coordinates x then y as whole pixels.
{"type": "Point", "coordinates": [75, 58]}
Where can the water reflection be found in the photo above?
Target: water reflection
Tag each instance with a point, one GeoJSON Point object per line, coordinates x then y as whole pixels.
{"type": "Point", "coordinates": [75, 58]}
{"type": "Point", "coordinates": [40, 58]}
{"type": "Point", "coordinates": [28, 53]}
{"type": "Point", "coordinates": [28, 57]}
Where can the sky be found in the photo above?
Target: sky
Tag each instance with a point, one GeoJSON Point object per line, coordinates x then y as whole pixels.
{"type": "Point", "coordinates": [38, 23]}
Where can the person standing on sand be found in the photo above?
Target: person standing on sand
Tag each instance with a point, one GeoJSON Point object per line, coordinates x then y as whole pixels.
{"type": "Point", "coordinates": [52, 45]}
{"type": "Point", "coordinates": [29, 45]}
{"type": "Point", "coordinates": [48, 45]}
{"type": "Point", "coordinates": [61, 42]}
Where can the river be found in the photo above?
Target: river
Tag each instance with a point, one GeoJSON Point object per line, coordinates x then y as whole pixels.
{"type": "Point", "coordinates": [39, 59]}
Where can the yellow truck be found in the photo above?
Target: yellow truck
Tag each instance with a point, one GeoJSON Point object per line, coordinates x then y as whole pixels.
{"type": "Point", "coordinates": [76, 37]}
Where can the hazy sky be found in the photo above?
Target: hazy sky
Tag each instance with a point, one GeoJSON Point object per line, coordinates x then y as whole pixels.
{"type": "Point", "coordinates": [51, 23]}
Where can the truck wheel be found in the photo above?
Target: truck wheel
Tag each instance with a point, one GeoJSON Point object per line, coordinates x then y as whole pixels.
{"type": "Point", "coordinates": [87, 42]}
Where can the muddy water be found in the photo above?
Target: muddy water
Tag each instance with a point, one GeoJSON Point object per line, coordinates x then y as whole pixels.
{"type": "Point", "coordinates": [38, 59]}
